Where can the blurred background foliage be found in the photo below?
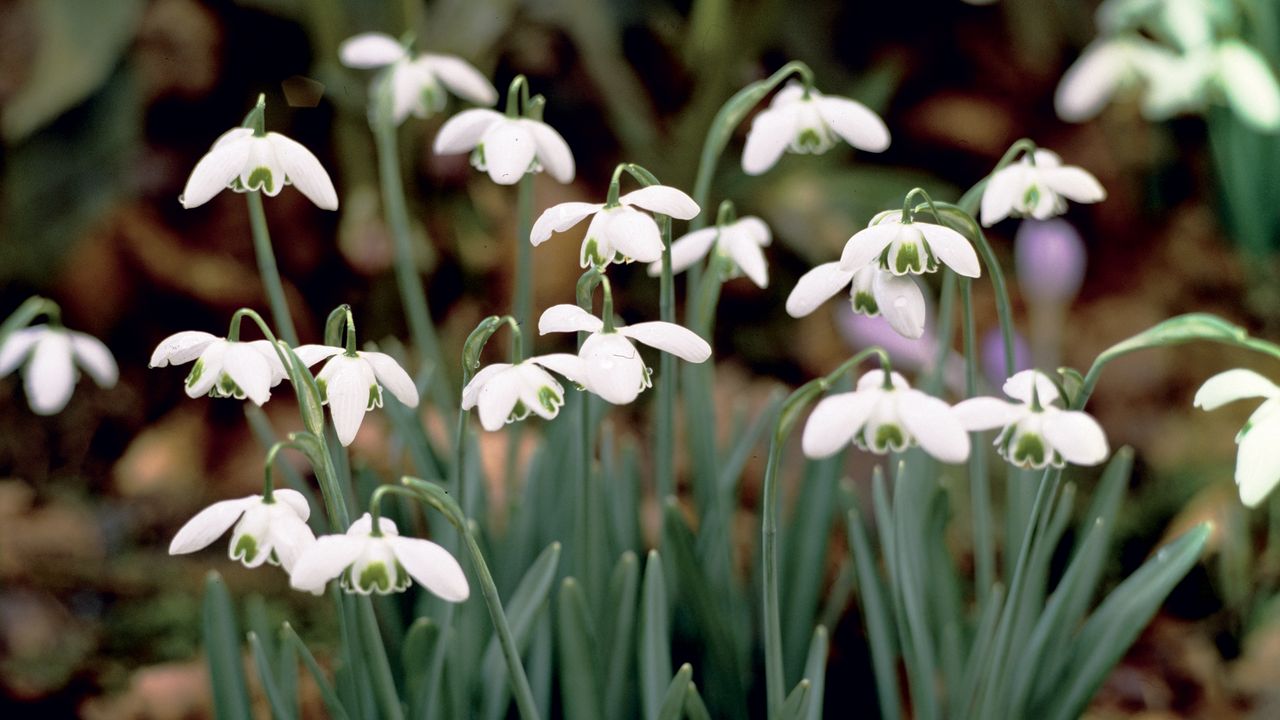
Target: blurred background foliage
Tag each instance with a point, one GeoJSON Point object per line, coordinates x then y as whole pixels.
{"type": "Point", "coordinates": [105, 107]}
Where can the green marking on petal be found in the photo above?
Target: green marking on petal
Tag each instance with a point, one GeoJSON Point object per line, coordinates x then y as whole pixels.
{"type": "Point", "coordinates": [549, 398]}
{"type": "Point", "coordinates": [246, 549]}
{"type": "Point", "coordinates": [907, 259]}
{"type": "Point", "coordinates": [375, 397]}
{"type": "Point", "coordinates": [519, 412]}
{"type": "Point", "coordinates": [375, 577]}
{"type": "Point", "coordinates": [1029, 450]}
{"type": "Point", "coordinates": [809, 140]}
{"type": "Point", "coordinates": [889, 436]}
{"type": "Point", "coordinates": [865, 303]}
{"type": "Point", "coordinates": [323, 387]}
{"type": "Point", "coordinates": [477, 158]}
{"type": "Point", "coordinates": [591, 251]}
{"type": "Point", "coordinates": [262, 179]}
{"type": "Point", "coordinates": [1031, 197]}
{"type": "Point", "coordinates": [198, 369]}
{"type": "Point", "coordinates": [227, 387]}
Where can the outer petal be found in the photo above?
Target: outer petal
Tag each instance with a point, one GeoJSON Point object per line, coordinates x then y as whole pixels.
{"type": "Point", "coordinates": [463, 131]}
{"type": "Point", "coordinates": [509, 150]}
{"type": "Point", "coordinates": [1233, 385]}
{"type": "Point", "coordinates": [217, 168]}
{"type": "Point", "coordinates": [325, 560]}
{"type": "Point", "coordinates": [662, 199]}
{"type": "Point", "coordinates": [1076, 436]}
{"type": "Point", "coordinates": [1018, 387]}
{"type": "Point", "coordinates": [498, 398]}
{"type": "Point", "coordinates": [669, 337]}
{"type": "Point", "coordinates": [901, 303]}
{"type": "Point", "coordinates": [290, 537]}
{"type": "Point", "coordinates": [866, 245]}
{"type": "Point", "coordinates": [95, 358]}
{"type": "Point", "coordinates": [1258, 462]}
{"type": "Point", "coordinates": [532, 380]}
{"type": "Point", "coordinates": [49, 373]}
{"type": "Point", "coordinates": [471, 393]}
{"type": "Point", "coordinates": [687, 250]}
{"type": "Point", "coordinates": [369, 50]}
{"type": "Point", "coordinates": [613, 368]}
{"type": "Point", "coordinates": [771, 132]}
{"type": "Point", "coordinates": [210, 364]}
{"type": "Point", "coordinates": [180, 348]}
{"type": "Point", "coordinates": [1249, 85]}
{"type": "Point", "coordinates": [749, 258]}
{"type": "Point", "coordinates": [348, 382]}
{"type": "Point", "coordinates": [460, 77]}
{"type": "Point", "coordinates": [432, 566]}
{"type": "Point", "coordinates": [952, 249]}
{"type": "Point", "coordinates": [854, 122]}
{"type": "Point", "coordinates": [304, 171]}
{"type": "Point", "coordinates": [17, 346]}
{"type": "Point", "coordinates": [568, 365]}
{"type": "Point", "coordinates": [312, 354]}
{"type": "Point", "coordinates": [268, 353]}
{"type": "Point", "coordinates": [363, 525]}
{"type": "Point", "coordinates": [934, 425]}
{"type": "Point", "coordinates": [816, 287]}
{"type": "Point", "coordinates": [1003, 187]}
{"type": "Point", "coordinates": [985, 413]}
{"type": "Point", "coordinates": [635, 235]}
{"type": "Point", "coordinates": [295, 501]}
{"type": "Point", "coordinates": [568, 318]}
{"type": "Point", "coordinates": [250, 370]}
{"type": "Point", "coordinates": [559, 218]}
{"type": "Point", "coordinates": [209, 524]}
{"type": "Point", "coordinates": [391, 376]}
{"type": "Point", "coordinates": [1090, 81]}
{"type": "Point", "coordinates": [1073, 183]}
{"type": "Point", "coordinates": [835, 420]}
{"type": "Point", "coordinates": [553, 151]}
{"type": "Point", "coordinates": [754, 228]}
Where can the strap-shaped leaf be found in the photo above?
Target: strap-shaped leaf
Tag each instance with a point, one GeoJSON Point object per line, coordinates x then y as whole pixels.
{"type": "Point", "coordinates": [415, 655]}
{"type": "Point", "coordinates": [797, 702]}
{"type": "Point", "coordinates": [655, 639]}
{"type": "Point", "coordinates": [280, 709]}
{"type": "Point", "coordinates": [880, 624]}
{"type": "Point", "coordinates": [673, 700]}
{"type": "Point", "coordinates": [578, 672]}
{"type": "Point", "coordinates": [330, 698]}
{"type": "Point", "coordinates": [619, 694]}
{"type": "Point", "coordinates": [222, 651]}
{"type": "Point", "coordinates": [815, 669]}
{"type": "Point", "coordinates": [529, 598]}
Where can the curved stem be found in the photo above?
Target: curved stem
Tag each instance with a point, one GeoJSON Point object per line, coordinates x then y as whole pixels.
{"type": "Point", "coordinates": [979, 483]}
{"type": "Point", "coordinates": [267, 268]}
{"type": "Point", "coordinates": [268, 480]}
{"type": "Point", "coordinates": [523, 302]}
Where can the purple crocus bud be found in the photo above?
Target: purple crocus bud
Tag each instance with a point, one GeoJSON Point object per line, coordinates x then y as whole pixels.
{"type": "Point", "coordinates": [1050, 258]}
{"type": "Point", "coordinates": [993, 357]}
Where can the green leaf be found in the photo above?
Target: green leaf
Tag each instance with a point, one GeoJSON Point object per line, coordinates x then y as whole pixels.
{"type": "Point", "coordinates": [415, 655]}
{"type": "Point", "coordinates": [797, 702]}
{"type": "Point", "coordinates": [804, 554]}
{"type": "Point", "coordinates": [694, 707]}
{"type": "Point", "coordinates": [279, 708]}
{"type": "Point", "coordinates": [619, 692]}
{"type": "Point", "coordinates": [673, 700]}
{"type": "Point", "coordinates": [330, 698]}
{"type": "Point", "coordinates": [879, 621]}
{"type": "Point", "coordinates": [304, 386]}
{"type": "Point", "coordinates": [815, 669]}
{"type": "Point", "coordinates": [578, 685]}
{"type": "Point", "coordinates": [222, 652]}
{"type": "Point", "coordinates": [655, 643]}
{"type": "Point", "coordinates": [741, 452]}
{"type": "Point", "coordinates": [522, 609]}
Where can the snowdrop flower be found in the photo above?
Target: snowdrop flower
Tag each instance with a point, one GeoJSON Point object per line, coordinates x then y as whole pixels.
{"type": "Point", "coordinates": [882, 415]}
{"type": "Point", "coordinates": [803, 120]}
{"type": "Point", "coordinates": [1038, 186]}
{"type": "Point", "coordinates": [223, 368]}
{"type": "Point", "coordinates": [383, 563]}
{"type": "Point", "coordinates": [618, 233]}
{"type": "Point", "coordinates": [1258, 461]}
{"type": "Point", "coordinates": [248, 158]}
{"type": "Point", "coordinates": [1107, 66]}
{"type": "Point", "coordinates": [51, 354]}
{"type": "Point", "coordinates": [273, 531]}
{"type": "Point", "coordinates": [506, 147]}
{"type": "Point", "coordinates": [739, 241]}
{"type": "Point", "coordinates": [872, 292]}
{"type": "Point", "coordinates": [607, 363]}
{"type": "Point", "coordinates": [911, 247]}
{"type": "Point", "coordinates": [1189, 23]}
{"type": "Point", "coordinates": [1035, 433]}
{"type": "Point", "coordinates": [507, 393]}
{"type": "Point", "coordinates": [351, 384]}
{"type": "Point", "coordinates": [418, 83]}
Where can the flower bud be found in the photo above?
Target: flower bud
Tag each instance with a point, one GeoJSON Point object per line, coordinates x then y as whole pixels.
{"type": "Point", "coordinates": [1050, 258]}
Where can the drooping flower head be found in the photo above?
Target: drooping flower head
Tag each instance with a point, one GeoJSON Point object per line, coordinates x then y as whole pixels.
{"type": "Point", "coordinates": [739, 242]}
{"type": "Point", "coordinates": [906, 246]}
{"type": "Point", "coordinates": [1258, 460]}
{"type": "Point", "coordinates": [273, 531]}
{"type": "Point", "coordinates": [1036, 433]}
{"type": "Point", "coordinates": [223, 368]}
{"type": "Point", "coordinates": [884, 415]}
{"type": "Point", "coordinates": [802, 120]}
{"type": "Point", "coordinates": [351, 384]}
{"type": "Point", "coordinates": [507, 393]}
{"type": "Point", "coordinates": [384, 563]}
{"type": "Point", "coordinates": [50, 356]}
{"type": "Point", "coordinates": [417, 82]}
{"type": "Point", "coordinates": [1038, 186]}
{"type": "Point", "coordinates": [872, 292]}
{"type": "Point", "coordinates": [620, 232]}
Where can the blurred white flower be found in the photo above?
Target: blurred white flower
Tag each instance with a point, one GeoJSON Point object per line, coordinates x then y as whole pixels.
{"type": "Point", "coordinates": [881, 417]}
{"type": "Point", "coordinates": [1036, 433]}
{"type": "Point", "coordinates": [382, 563]}
{"type": "Point", "coordinates": [506, 147]}
{"type": "Point", "coordinates": [620, 233]}
{"type": "Point", "coordinates": [1107, 66]}
{"type": "Point", "coordinates": [1038, 185]}
{"type": "Point", "coordinates": [223, 368]}
{"type": "Point", "coordinates": [351, 384]}
{"type": "Point", "coordinates": [273, 531]}
{"type": "Point", "coordinates": [872, 292]}
{"type": "Point", "coordinates": [608, 364]}
{"type": "Point", "coordinates": [904, 248]}
{"type": "Point", "coordinates": [739, 241]}
{"type": "Point", "coordinates": [417, 83]}
{"type": "Point", "coordinates": [805, 121]}
{"type": "Point", "coordinates": [51, 354]}
{"type": "Point", "coordinates": [1258, 460]}
{"type": "Point", "coordinates": [507, 393]}
{"type": "Point", "coordinates": [244, 160]}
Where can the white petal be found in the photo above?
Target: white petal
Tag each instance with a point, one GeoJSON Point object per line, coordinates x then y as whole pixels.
{"type": "Point", "coordinates": [533, 380]}
{"type": "Point", "coordinates": [1090, 81]}
{"type": "Point", "coordinates": [771, 132]}
{"type": "Point", "coordinates": [634, 234]}
{"type": "Point", "coordinates": [1249, 85]}
{"type": "Point", "coordinates": [669, 337]}
{"type": "Point", "coordinates": [180, 348]}
{"type": "Point", "coordinates": [754, 228]}
{"type": "Point", "coordinates": [363, 525]}
{"type": "Point", "coordinates": [217, 168]}
{"type": "Point", "coordinates": [901, 303]}
{"type": "Point", "coordinates": [613, 368]}
{"type": "Point", "coordinates": [392, 377]}
{"type": "Point", "coordinates": [249, 370]}
{"type": "Point", "coordinates": [312, 354]}
{"type": "Point", "coordinates": [1003, 187]}
{"type": "Point", "coordinates": [1233, 385]}
{"type": "Point", "coordinates": [1073, 183]}
{"type": "Point", "coordinates": [290, 538]}
{"type": "Point", "coordinates": [816, 287]}
{"type": "Point", "coordinates": [553, 151]}
{"type": "Point", "coordinates": [509, 150]}
{"type": "Point", "coordinates": [952, 249]}
{"type": "Point", "coordinates": [568, 318]}
{"type": "Point", "coordinates": [369, 50]}
{"type": "Point", "coordinates": [49, 373]}
{"type": "Point", "coordinates": [209, 524]}
{"type": "Point", "coordinates": [295, 500]}
{"type": "Point", "coordinates": [432, 566]}
{"type": "Point", "coordinates": [1018, 387]}
{"type": "Point", "coordinates": [874, 379]}
{"type": "Point", "coordinates": [687, 250]}
{"type": "Point", "coordinates": [17, 346]}
{"type": "Point", "coordinates": [498, 398]}
{"type": "Point", "coordinates": [95, 358]}
{"type": "Point", "coordinates": [1076, 436]}
{"type": "Point", "coordinates": [835, 420]}
{"type": "Point", "coordinates": [854, 122]}
{"type": "Point", "coordinates": [749, 258]}
{"type": "Point", "coordinates": [568, 365]}
{"type": "Point", "coordinates": [866, 245]}
{"type": "Point", "coordinates": [471, 393]}
{"type": "Point", "coordinates": [662, 199]}
{"type": "Point", "coordinates": [461, 78]}
{"type": "Point", "coordinates": [934, 425]}
{"type": "Point", "coordinates": [325, 560]}
{"type": "Point", "coordinates": [268, 353]}
{"type": "Point", "coordinates": [559, 218]}
{"type": "Point", "coordinates": [463, 131]}
{"type": "Point", "coordinates": [985, 413]}
{"type": "Point", "coordinates": [1258, 462]}
{"type": "Point", "coordinates": [210, 364]}
{"type": "Point", "coordinates": [347, 384]}
{"type": "Point", "coordinates": [304, 171]}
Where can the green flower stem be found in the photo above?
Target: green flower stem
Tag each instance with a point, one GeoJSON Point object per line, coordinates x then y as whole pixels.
{"type": "Point", "coordinates": [438, 498]}
{"type": "Point", "coordinates": [792, 408]}
{"type": "Point", "coordinates": [979, 482]}
{"type": "Point", "coordinates": [523, 302]}
{"type": "Point", "coordinates": [268, 270]}
{"type": "Point", "coordinates": [412, 294]}
{"type": "Point", "coordinates": [268, 468]}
